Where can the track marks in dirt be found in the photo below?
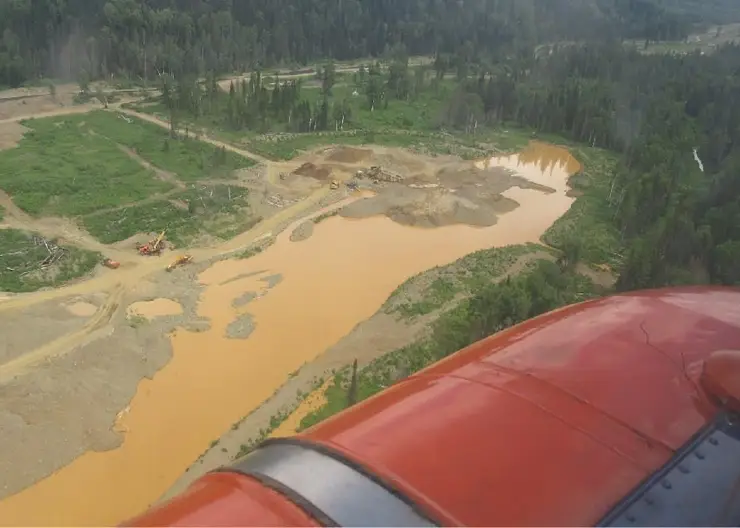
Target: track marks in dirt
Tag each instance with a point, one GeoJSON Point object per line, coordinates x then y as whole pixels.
{"type": "Point", "coordinates": [95, 328]}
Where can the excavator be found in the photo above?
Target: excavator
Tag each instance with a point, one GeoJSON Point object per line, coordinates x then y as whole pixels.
{"type": "Point", "coordinates": [153, 247]}
{"type": "Point", "coordinates": [622, 411]}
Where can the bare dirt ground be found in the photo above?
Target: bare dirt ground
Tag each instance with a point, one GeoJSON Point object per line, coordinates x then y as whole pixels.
{"type": "Point", "coordinates": [11, 134]}
{"type": "Point", "coordinates": [41, 422]}
{"type": "Point", "coordinates": [55, 361]}
{"type": "Point", "coordinates": [39, 101]}
{"type": "Point", "coordinates": [23, 103]}
{"type": "Point", "coordinates": [422, 191]}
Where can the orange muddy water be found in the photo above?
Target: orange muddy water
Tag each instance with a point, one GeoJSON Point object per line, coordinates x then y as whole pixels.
{"type": "Point", "coordinates": [331, 282]}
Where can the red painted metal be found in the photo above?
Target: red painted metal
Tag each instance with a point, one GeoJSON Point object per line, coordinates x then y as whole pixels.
{"type": "Point", "coordinates": [721, 377]}
{"type": "Point", "coordinates": [549, 423]}
{"type": "Point", "coordinates": [226, 499]}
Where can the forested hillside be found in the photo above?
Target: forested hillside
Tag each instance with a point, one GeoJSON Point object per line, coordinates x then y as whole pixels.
{"type": "Point", "coordinates": [66, 39]}
{"type": "Point", "coordinates": [676, 195]}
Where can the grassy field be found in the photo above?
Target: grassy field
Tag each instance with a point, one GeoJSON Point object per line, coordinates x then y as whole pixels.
{"type": "Point", "coordinates": [77, 166]}
{"type": "Point", "coordinates": [21, 256]}
{"type": "Point", "coordinates": [213, 209]}
{"type": "Point", "coordinates": [590, 218]}
{"type": "Point", "coordinates": [407, 124]}
{"type": "Point", "coordinates": [189, 159]}
{"type": "Point", "coordinates": [436, 288]}
{"type": "Point", "coordinates": [286, 146]}
{"type": "Point", "coordinates": [60, 169]}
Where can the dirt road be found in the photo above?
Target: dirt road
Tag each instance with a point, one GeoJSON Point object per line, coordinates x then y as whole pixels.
{"type": "Point", "coordinates": [216, 143]}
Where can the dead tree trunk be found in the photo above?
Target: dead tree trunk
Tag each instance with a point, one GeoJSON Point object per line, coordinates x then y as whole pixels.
{"type": "Point", "coordinates": [352, 392]}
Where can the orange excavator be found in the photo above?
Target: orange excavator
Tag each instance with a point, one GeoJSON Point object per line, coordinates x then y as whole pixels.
{"type": "Point", "coordinates": [153, 247]}
{"type": "Point", "coordinates": [623, 411]}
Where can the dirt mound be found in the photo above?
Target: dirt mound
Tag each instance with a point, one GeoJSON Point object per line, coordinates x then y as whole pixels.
{"type": "Point", "coordinates": [349, 155]}
{"type": "Point", "coordinates": [309, 170]}
{"type": "Point", "coordinates": [11, 134]}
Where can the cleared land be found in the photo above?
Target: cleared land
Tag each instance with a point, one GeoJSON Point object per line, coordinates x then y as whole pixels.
{"type": "Point", "coordinates": [87, 180]}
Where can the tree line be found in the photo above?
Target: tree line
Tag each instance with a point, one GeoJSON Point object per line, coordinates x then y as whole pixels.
{"type": "Point", "coordinates": [676, 121]}
{"type": "Point", "coordinates": [143, 39]}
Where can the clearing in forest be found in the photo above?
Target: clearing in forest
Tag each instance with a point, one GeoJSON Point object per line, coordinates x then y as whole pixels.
{"type": "Point", "coordinates": [105, 165]}
{"type": "Point", "coordinates": [114, 177]}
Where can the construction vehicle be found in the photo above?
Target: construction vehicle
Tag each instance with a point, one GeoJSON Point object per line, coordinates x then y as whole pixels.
{"type": "Point", "coordinates": [180, 261]}
{"type": "Point", "coordinates": [622, 411]}
{"type": "Point", "coordinates": [153, 247]}
{"type": "Point", "coordinates": [112, 264]}
{"type": "Point", "coordinates": [334, 185]}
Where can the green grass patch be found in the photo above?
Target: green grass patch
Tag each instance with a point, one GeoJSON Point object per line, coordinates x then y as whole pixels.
{"type": "Point", "coordinates": [431, 290]}
{"type": "Point", "coordinates": [590, 219]}
{"type": "Point", "coordinates": [213, 209]}
{"type": "Point", "coordinates": [60, 169]}
{"type": "Point", "coordinates": [275, 421]}
{"type": "Point", "coordinates": [190, 159]}
{"type": "Point", "coordinates": [21, 255]}
{"type": "Point", "coordinates": [137, 321]}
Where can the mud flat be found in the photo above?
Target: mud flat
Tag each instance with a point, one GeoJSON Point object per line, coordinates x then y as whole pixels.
{"type": "Point", "coordinates": [28, 329]}
{"type": "Point", "coordinates": [62, 408]}
{"type": "Point", "coordinates": [241, 328]}
{"type": "Point", "coordinates": [302, 232]}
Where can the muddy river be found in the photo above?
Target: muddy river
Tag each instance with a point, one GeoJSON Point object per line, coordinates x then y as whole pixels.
{"type": "Point", "coordinates": [330, 282]}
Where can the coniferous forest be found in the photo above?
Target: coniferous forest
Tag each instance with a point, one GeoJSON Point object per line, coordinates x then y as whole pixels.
{"type": "Point", "coordinates": [60, 38]}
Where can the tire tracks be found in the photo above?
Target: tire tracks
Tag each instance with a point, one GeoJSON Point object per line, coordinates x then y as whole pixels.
{"type": "Point", "coordinates": [94, 329]}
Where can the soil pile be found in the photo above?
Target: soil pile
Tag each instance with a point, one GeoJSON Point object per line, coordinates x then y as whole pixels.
{"type": "Point", "coordinates": [309, 170]}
